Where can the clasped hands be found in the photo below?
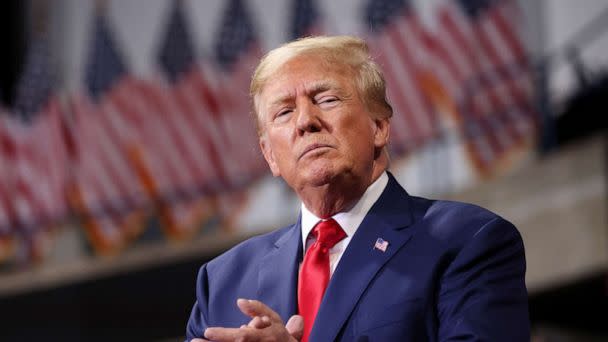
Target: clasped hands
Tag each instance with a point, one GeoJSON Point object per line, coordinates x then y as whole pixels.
{"type": "Point", "coordinates": [265, 325]}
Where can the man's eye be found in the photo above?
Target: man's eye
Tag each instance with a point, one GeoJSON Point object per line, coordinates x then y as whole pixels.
{"type": "Point", "coordinates": [283, 112]}
{"type": "Point", "coordinates": [327, 101]}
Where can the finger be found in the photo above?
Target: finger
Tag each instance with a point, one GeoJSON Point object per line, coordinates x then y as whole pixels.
{"type": "Point", "coordinates": [199, 340]}
{"type": "Point", "coordinates": [259, 322]}
{"type": "Point", "coordinates": [254, 308]}
{"type": "Point", "coordinates": [295, 326]}
{"type": "Point", "coordinates": [224, 334]}
{"type": "Point", "coordinates": [255, 322]}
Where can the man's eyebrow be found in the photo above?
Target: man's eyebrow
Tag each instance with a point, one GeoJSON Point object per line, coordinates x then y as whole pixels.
{"type": "Point", "coordinates": [320, 86]}
{"type": "Point", "coordinates": [314, 88]}
{"type": "Point", "coordinates": [283, 98]}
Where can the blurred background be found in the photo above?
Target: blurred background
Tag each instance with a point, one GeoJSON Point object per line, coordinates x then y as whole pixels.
{"type": "Point", "coordinates": [128, 156]}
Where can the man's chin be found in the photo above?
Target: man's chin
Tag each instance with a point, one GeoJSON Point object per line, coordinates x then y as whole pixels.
{"type": "Point", "coordinates": [320, 176]}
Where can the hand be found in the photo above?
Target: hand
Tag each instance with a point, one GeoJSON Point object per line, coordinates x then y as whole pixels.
{"type": "Point", "coordinates": [265, 325]}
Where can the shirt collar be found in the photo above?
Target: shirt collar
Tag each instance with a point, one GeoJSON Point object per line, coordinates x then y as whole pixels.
{"type": "Point", "coordinates": [348, 220]}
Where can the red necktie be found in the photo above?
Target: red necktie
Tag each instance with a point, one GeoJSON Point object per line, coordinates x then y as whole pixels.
{"type": "Point", "coordinates": [314, 275]}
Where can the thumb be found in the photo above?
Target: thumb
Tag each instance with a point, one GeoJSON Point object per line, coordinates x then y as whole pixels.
{"type": "Point", "coordinates": [295, 326]}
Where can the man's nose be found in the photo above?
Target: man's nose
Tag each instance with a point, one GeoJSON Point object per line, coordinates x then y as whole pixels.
{"type": "Point", "coordinates": [308, 119]}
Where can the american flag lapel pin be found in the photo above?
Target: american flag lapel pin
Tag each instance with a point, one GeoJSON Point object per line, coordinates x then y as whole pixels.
{"type": "Point", "coordinates": [381, 244]}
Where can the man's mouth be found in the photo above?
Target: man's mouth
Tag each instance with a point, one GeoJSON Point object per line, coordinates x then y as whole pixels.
{"type": "Point", "coordinates": [311, 148]}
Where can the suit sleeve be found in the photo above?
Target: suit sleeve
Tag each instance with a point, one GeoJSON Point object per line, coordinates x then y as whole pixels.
{"type": "Point", "coordinates": [482, 295]}
{"type": "Point", "coordinates": [198, 321]}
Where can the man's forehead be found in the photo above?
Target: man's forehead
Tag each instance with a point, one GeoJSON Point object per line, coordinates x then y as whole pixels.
{"type": "Point", "coordinates": [303, 73]}
{"type": "Point", "coordinates": [288, 91]}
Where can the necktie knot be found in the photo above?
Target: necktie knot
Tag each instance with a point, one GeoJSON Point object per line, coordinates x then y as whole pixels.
{"type": "Point", "coordinates": [328, 233]}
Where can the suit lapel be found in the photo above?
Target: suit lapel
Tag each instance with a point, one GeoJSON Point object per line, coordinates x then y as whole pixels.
{"type": "Point", "coordinates": [361, 261]}
{"type": "Point", "coordinates": [278, 273]}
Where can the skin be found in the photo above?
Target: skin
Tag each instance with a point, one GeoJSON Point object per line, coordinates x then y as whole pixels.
{"type": "Point", "coordinates": [317, 134]}
{"type": "Point", "coordinates": [265, 325]}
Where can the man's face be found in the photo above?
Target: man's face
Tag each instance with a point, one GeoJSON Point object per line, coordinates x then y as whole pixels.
{"type": "Point", "coordinates": [315, 126]}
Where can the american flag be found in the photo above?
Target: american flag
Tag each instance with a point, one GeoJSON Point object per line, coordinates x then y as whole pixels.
{"type": "Point", "coordinates": [7, 216]}
{"type": "Point", "coordinates": [39, 159]}
{"type": "Point", "coordinates": [481, 45]}
{"type": "Point", "coordinates": [400, 44]}
{"type": "Point", "coordinates": [238, 52]}
{"type": "Point", "coordinates": [381, 244]}
{"type": "Point", "coordinates": [236, 38]}
{"type": "Point", "coordinates": [306, 19]}
{"type": "Point", "coordinates": [41, 150]}
{"type": "Point", "coordinates": [106, 191]}
{"type": "Point", "coordinates": [195, 103]}
{"type": "Point", "coordinates": [472, 66]}
{"type": "Point", "coordinates": [196, 167]}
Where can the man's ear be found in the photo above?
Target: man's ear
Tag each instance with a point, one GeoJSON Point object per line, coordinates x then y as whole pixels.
{"type": "Point", "coordinates": [382, 133]}
{"type": "Point", "coordinates": [269, 156]}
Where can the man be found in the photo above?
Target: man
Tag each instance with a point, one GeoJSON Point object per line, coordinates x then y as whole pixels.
{"type": "Point", "coordinates": [365, 261]}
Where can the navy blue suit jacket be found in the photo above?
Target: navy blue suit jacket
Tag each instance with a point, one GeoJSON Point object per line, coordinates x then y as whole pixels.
{"type": "Point", "coordinates": [451, 272]}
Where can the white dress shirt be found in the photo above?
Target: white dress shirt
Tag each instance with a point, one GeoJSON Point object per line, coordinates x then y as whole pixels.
{"type": "Point", "coordinates": [348, 220]}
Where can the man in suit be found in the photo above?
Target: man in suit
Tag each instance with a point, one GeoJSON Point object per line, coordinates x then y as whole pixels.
{"type": "Point", "coordinates": [364, 261]}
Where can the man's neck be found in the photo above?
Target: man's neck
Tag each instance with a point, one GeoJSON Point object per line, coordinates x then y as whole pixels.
{"type": "Point", "coordinates": [337, 196]}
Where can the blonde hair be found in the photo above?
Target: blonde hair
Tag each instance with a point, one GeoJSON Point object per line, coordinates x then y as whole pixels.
{"type": "Point", "coordinates": [346, 51]}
